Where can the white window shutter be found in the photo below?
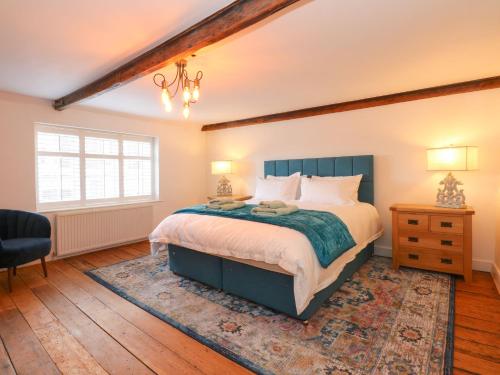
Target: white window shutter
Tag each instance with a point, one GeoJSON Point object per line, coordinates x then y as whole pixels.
{"type": "Point", "coordinates": [117, 167]}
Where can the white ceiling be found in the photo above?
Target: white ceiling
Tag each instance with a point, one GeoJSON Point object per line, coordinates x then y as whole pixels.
{"type": "Point", "coordinates": [319, 52]}
{"type": "Point", "coordinates": [51, 47]}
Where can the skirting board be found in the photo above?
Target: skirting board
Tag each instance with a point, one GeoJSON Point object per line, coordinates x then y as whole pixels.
{"type": "Point", "coordinates": [495, 272]}
{"type": "Point", "coordinates": [477, 264]}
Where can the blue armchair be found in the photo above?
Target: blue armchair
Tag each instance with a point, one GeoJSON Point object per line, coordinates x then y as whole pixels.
{"type": "Point", "coordinates": [24, 237]}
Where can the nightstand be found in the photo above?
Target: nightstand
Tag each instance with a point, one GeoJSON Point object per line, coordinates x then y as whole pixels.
{"type": "Point", "coordinates": [432, 238]}
{"type": "Point", "coordinates": [233, 197]}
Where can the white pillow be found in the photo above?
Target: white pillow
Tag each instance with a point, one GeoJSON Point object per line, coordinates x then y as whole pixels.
{"type": "Point", "coordinates": [356, 180]}
{"type": "Point", "coordinates": [295, 175]}
{"type": "Point", "coordinates": [293, 178]}
{"type": "Point", "coordinates": [276, 189]}
{"type": "Point", "coordinates": [341, 190]}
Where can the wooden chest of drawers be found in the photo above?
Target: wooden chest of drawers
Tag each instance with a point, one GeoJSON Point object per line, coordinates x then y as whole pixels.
{"type": "Point", "coordinates": [432, 238]}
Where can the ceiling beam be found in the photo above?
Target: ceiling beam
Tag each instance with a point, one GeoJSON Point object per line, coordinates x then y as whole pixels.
{"type": "Point", "coordinates": [227, 21]}
{"type": "Point", "coordinates": [400, 97]}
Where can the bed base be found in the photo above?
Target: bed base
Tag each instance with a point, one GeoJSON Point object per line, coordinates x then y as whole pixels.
{"type": "Point", "coordinates": [268, 288]}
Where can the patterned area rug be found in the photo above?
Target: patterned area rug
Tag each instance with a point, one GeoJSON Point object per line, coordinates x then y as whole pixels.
{"type": "Point", "coordinates": [380, 322]}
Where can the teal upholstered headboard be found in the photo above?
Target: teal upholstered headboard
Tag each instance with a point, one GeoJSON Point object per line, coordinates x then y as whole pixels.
{"type": "Point", "coordinates": [334, 166]}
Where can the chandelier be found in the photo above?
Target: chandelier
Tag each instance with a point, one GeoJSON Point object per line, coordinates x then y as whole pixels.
{"type": "Point", "coordinates": [190, 87]}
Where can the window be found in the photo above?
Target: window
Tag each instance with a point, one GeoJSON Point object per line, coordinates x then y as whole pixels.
{"type": "Point", "coordinates": [82, 167]}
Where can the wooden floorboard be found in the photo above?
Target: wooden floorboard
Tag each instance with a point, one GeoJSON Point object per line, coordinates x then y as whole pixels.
{"type": "Point", "coordinates": [64, 349]}
{"type": "Point", "coordinates": [143, 246]}
{"type": "Point", "coordinates": [27, 354]}
{"type": "Point", "coordinates": [120, 253]}
{"type": "Point", "coordinates": [480, 350]}
{"type": "Point", "coordinates": [488, 291]}
{"type": "Point", "coordinates": [152, 353]}
{"type": "Point", "coordinates": [457, 371]}
{"type": "Point", "coordinates": [6, 367]}
{"type": "Point", "coordinates": [485, 303]}
{"type": "Point", "coordinates": [109, 353]}
{"type": "Point", "coordinates": [475, 364]}
{"type": "Point", "coordinates": [137, 251]}
{"type": "Point", "coordinates": [480, 337]}
{"type": "Point", "coordinates": [80, 263]}
{"type": "Point", "coordinates": [208, 361]}
{"type": "Point", "coordinates": [69, 323]}
{"type": "Point", "coordinates": [100, 259]}
{"type": "Point", "coordinates": [477, 324]}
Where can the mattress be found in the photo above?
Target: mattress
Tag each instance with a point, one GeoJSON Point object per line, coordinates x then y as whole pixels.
{"type": "Point", "coordinates": [271, 247]}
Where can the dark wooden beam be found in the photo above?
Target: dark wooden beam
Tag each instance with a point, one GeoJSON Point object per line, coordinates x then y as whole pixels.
{"type": "Point", "coordinates": [229, 20]}
{"type": "Point", "coordinates": [430, 92]}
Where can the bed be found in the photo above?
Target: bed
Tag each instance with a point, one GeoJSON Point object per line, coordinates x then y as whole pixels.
{"type": "Point", "coordinates": [254, 260]}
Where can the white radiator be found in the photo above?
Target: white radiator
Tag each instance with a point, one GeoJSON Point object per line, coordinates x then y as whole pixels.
{"type": "Point", "coordinates": [79, 231]}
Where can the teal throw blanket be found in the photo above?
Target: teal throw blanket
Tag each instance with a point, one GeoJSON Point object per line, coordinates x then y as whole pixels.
{"type": "Point", "coordinates": [328, 235]}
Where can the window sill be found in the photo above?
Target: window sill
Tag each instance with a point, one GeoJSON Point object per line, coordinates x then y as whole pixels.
{"type": "Point", "coordinates": [106, 206]}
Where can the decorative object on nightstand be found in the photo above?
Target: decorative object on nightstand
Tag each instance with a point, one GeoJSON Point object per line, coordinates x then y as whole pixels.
{"type": "Point", "coordinates": [223, 167]}
{"type": "Point", "coordinates": [432, 238]}
{"type": "Point", "coordinates": [233, 197]}
{"type": "Point", "coordinates": [452, 158]}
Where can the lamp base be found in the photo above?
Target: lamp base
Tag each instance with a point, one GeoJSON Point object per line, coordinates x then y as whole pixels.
{"type": "Point", "coordinates": [450, 206]}
{"type": "Point", "coordinates": [450, 196]}
{"type": "Point", "coordinates": [224, 187]}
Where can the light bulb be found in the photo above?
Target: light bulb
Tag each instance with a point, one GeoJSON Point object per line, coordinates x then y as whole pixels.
{"type": "Point", "coordinates": [168, 107]}
{"type": "Point", "coordinates": [185, 111]}
{"type": "Point", "coordinates": [196, 93]}
{"type": "Point", "coordinates": [165, 98]}
{"type": "Point", "coordinates": [186, 94]}
{"type": "Point", "coordinates": [196, 90]}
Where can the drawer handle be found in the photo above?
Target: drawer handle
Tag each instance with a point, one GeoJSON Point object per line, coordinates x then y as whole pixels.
{"type": "Point", "coordinates": [446, 242]}
{"type": "Point", "coordinates": [412, 239]}
{"type": "Point", "coordinates": [413, 256]}
{"type": "Point", "coordinates": [446, 224]}
{"type": "Point", "coordinates": [412, 222]}
{"type": "Point", "coordinates": [446, 260]}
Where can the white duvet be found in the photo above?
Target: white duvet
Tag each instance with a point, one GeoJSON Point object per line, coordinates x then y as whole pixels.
{"type": "Point", "coordinates": [285, 247]}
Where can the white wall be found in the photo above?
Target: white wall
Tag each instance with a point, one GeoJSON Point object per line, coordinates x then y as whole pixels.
{"type": "Point", "coordinates": [182, 151]}
{"type": "Point", "coordinates": [398, 136]}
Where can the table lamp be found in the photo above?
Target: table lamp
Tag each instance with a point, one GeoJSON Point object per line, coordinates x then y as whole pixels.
{"type": "Point", "coordinates": [223, 167]}
{"type": "Point", "coordinates": [452, 158]}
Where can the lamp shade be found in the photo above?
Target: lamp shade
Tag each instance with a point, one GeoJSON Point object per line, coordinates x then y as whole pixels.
{"type": "Point", "coordinates": [461, 158]}
{"type": "Point", "coordinates": [221, 167]}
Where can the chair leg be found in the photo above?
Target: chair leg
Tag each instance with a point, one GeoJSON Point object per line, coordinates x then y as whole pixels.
{"type": "Point", "coordinates": [14, 271]}
{"type": "Point", "coordinates": [44, 266]}
{"type": "Point", "coordinates": [9, 279]}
